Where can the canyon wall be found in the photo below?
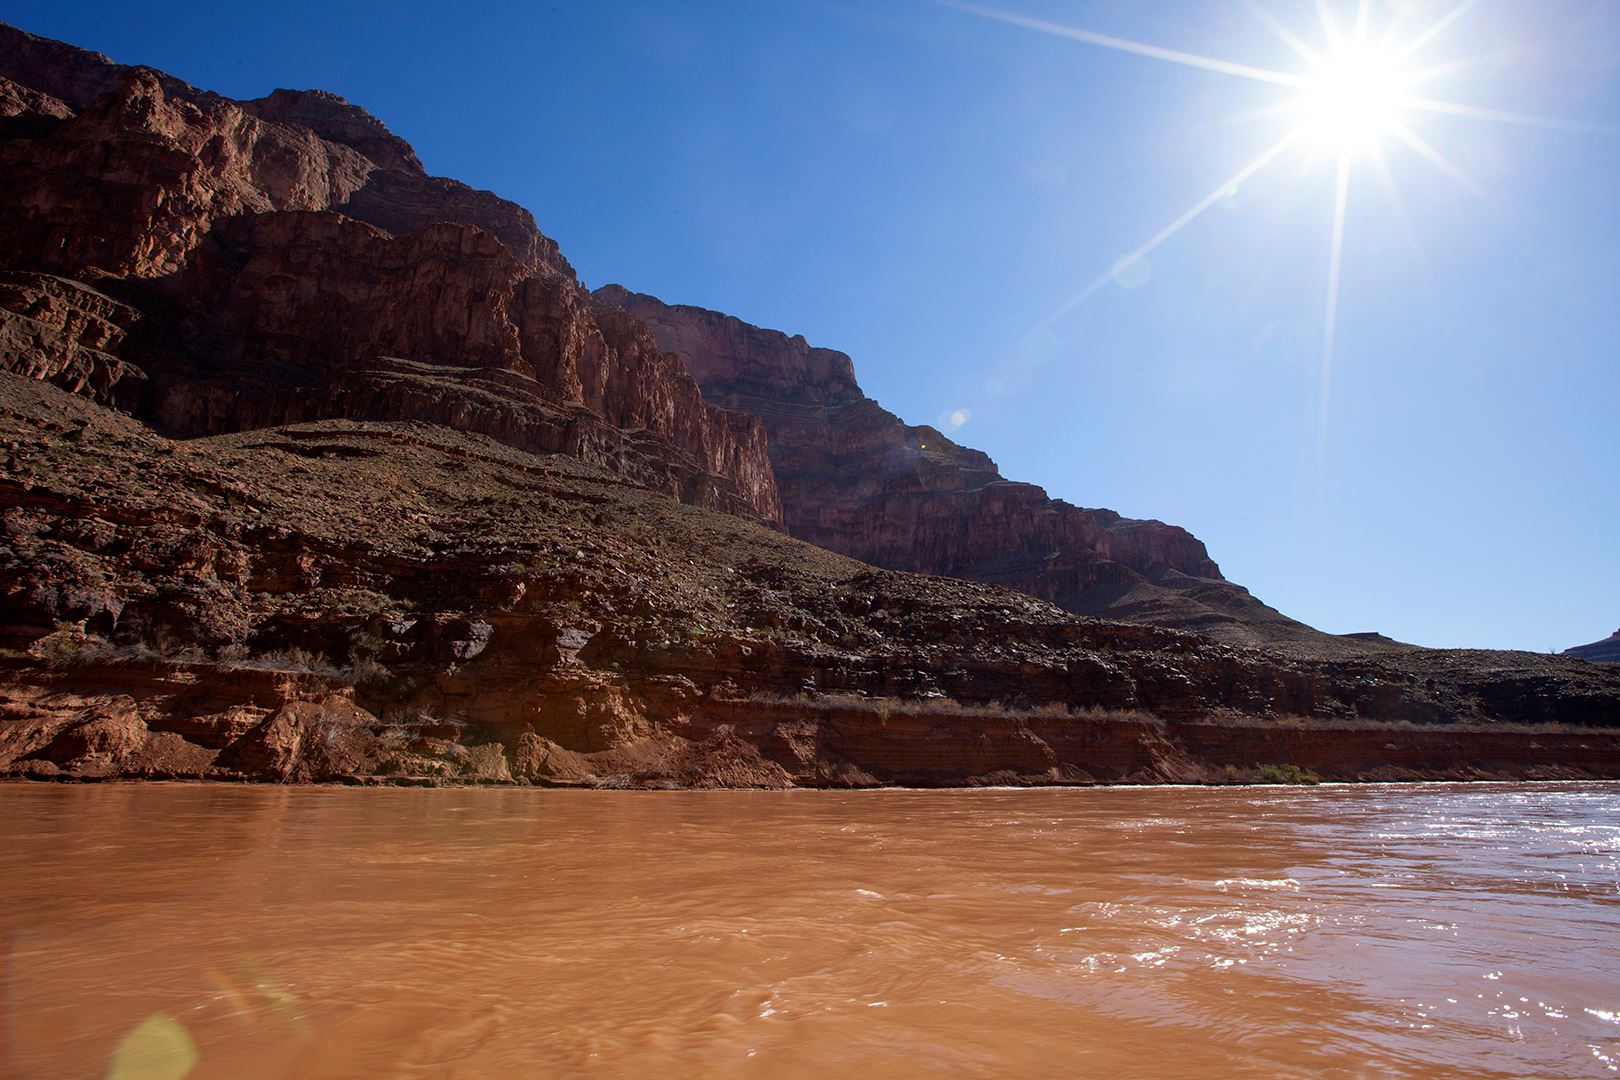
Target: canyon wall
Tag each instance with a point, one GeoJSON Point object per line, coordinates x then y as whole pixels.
{"type": "Point", "coordinates": [387, 602]}
{"type": "Point", "coordinates": [856, 479]}
{"type": "Point", "coordinates": [215, 265]}
{"type": "Point", "coordinates": [289, 259]}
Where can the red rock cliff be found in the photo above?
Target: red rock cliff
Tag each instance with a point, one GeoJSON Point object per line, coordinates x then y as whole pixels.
{"type": "Point", "coordinates": [856, 479]}
{"type": "Point", "coordinates": [218, 265]}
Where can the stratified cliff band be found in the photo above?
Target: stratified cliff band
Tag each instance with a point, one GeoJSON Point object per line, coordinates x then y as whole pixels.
{"type": "Point", "coordinates": [857, 480]}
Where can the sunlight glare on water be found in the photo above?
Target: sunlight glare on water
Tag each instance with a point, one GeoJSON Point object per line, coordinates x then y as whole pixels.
{"type": "Point", "coordinates": [1378, 931]}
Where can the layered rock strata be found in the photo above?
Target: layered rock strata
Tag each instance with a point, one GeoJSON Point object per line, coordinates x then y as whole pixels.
{"type": "Point", "coordinates": [854, 478]}
{"type": "Point", "coordinates": [216, 265]}
{"type": "Point", "coordinates": [405, 603]}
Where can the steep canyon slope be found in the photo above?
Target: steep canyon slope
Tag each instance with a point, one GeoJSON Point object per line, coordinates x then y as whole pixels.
{"type": "Point", "coordinates": [214, 265]}
{"type": "Point", "coordinates": [856, 479]}
{"type": "Point", "coordinates": [322, 468]}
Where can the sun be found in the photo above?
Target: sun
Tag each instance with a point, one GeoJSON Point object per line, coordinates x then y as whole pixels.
{"type": "Point", "coordinates": [1353, 99]}
{"type": "Point", "coordinates": [1355, 89]}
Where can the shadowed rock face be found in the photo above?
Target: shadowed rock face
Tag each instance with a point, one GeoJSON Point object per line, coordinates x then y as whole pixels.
{"type": "Point", "coordinates": [215, 265]}
{"type": "Point", "coordinates": [1607, 650]}
{"type": "Point", "coordinates": [856, 479]}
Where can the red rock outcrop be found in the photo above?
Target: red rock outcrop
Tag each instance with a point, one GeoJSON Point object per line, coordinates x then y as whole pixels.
{"type": "Point", "coordinates": [856, 479]}
{"type": "Point", "coordinates": [63, 332]}
{"type": "Point", "coordinates": [236, 229]}
{"type": "Point", "coordinates": [130, 184]}
{"type": "Point", "coordinates": [300, 316]}
{"type": "Point", "coordinates": [376, 177]}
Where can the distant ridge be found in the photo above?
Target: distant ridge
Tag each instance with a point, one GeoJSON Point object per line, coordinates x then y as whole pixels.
{"type": "Point", "coordinates": [856, 479]}
{"type": "Point", "coordinates": [1606, 651]}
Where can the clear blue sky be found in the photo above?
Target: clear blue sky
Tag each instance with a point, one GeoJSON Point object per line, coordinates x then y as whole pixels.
{"type": "Point", "coordinates": [922, 187]}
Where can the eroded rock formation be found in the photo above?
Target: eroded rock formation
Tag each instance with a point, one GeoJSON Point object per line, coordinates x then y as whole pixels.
{"type": "Point", "coordinates": [856, 479]}
{"type": "Point", "coordinates": [216, 265]}
{"type": "Point", "coordinates": [405, 603]}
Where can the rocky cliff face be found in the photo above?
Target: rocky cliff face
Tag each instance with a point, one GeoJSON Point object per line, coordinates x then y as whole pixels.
{"type": "Point", "coordinates": [856, 479]}
{"type": "Point", "coordinates": [289, 259]}
{"type": "Point", "coordinates": [407, 603]}
{"type": "Point", "coordinates": [215, 265]}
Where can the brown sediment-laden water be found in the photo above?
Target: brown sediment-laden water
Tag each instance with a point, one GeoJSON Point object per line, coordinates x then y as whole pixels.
{"type": "Point", "coordinates": [1399, 930]}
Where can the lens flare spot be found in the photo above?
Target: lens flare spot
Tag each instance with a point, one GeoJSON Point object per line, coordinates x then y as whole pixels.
{"type": "Point", "coordinates": [159, 1048]}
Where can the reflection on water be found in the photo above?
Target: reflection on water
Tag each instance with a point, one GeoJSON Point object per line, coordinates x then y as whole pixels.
{"type": "Point", "coordinates": [1399, 930]}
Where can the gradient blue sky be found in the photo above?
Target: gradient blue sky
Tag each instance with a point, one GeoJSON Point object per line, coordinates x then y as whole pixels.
{"type": "Point", "coordinates": [922, 187]}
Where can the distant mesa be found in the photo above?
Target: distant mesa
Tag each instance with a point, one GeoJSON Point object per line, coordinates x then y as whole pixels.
{"type": "Point", "coordinates": [1371, 636]}
{"type": "Point", "coordinates": [1606, 651]}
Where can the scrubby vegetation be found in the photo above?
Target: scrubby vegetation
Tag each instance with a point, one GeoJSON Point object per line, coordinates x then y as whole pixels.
{"type": "Point", "coordinates": [1285, 773]}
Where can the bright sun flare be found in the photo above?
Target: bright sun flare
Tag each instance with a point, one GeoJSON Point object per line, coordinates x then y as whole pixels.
{"type": "Point", "coordinates": [1354, 99]}
{"type": "Point", "coordinates": [1349, 96]}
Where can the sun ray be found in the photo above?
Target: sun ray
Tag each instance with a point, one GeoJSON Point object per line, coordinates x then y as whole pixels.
{"type": "Point", "coordinates": [1171, 229]}
{"type": "Point", "coordinates": [1330, 322]}
{"type": "Point", "coordinates": [1439, 160]}
{"type": "Point", "coordinates": [1213, 197]}
{"type": "Point", "coordinates": [1473, 112]}
{"type": "Point", "coordinates": [1283, 34]}
{"type": "Point", "coordinates": [1435, 29]}
{"type": "Point", "coordinates": [1450, 67]}
{"type": "Point", "coordinates": [1174, 56]}
{"type": "Point", "coordinates": [1353, 99]}
{"type": "Point", "coordinates": [1387, 177]}
{"type": "Point", "coordinates": [1330, 25]}
{"type": "Point", "coordinates": [1193, 212]}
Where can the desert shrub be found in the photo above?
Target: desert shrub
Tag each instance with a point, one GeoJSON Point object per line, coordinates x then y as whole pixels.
{"type": "Point", "coordinates": [63, 645]}
{"type": "Point", "coordinates": [886, 708]}
{"type": "Point", "coordinates": [232, 652]}
{"type": "Point", "coordinates": [105, 652]}
{"type": "Point", "coordinates": [364, 671]}
{"type": "Point", "coordinates": [1286, 774]}
{"type": "Point", "coordinates": [364, 644]}
{"type": "Point", "coordinates": [293, 659]}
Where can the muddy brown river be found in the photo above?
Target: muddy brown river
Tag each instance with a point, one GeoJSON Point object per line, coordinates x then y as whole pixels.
{"type": "Point", "coordinates": [162, 931]}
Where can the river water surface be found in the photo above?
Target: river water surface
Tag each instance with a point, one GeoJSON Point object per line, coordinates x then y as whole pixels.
{"type": "Point", "coordinates": [1340, 931]}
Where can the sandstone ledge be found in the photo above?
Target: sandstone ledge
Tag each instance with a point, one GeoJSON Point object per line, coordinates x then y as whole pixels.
{"type": "Point", "coordinates": [262, 731]}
